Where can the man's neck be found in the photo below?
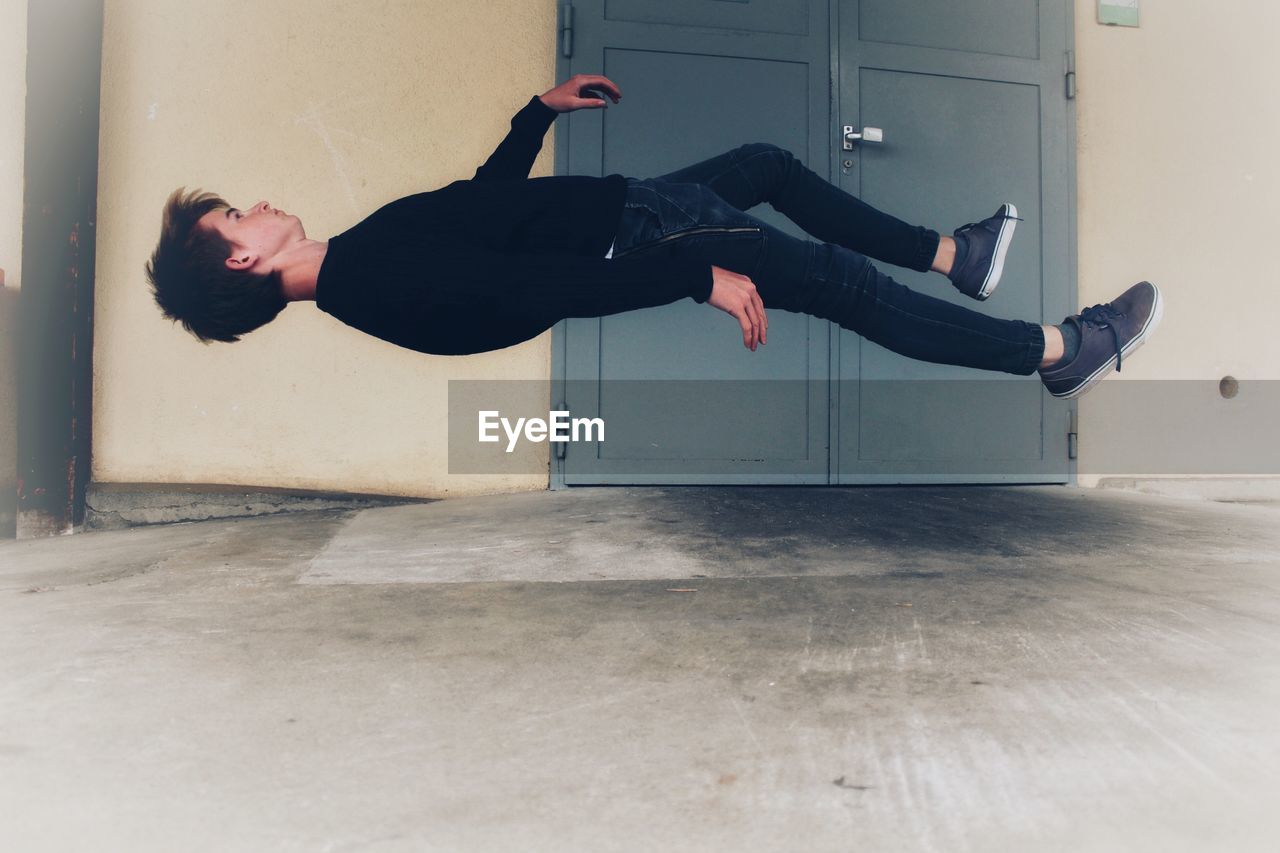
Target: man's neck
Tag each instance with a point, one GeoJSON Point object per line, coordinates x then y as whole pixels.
{"type": "Point", "coordinates": [300, 268]}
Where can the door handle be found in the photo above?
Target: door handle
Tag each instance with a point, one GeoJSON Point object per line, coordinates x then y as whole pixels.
{"type": "Point", "coordinates": [869, 134]}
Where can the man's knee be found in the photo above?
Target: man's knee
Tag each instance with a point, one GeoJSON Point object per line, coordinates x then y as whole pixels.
{"type": "Point", "coordinates": [751, 148]}
{"type": "Point", "coordinates": [772, 162]}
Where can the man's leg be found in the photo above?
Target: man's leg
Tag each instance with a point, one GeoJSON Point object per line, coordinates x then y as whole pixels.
{"type": "Point", "coordinates": [762, 172]}
{"type": "Point", "coordinates": [826, 280]}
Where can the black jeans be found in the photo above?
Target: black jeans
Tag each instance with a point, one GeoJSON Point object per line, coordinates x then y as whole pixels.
{"type": "Point", "coordinates": [699, 212]}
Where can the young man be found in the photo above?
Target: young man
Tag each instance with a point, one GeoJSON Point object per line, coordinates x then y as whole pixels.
{"type": "Point", "coordinates": [489, 262]}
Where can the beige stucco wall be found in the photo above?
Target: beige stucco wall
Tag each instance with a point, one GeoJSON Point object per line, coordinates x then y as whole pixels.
{"type": "Point", "coordinates": [13, 107]}
{"type": "Point", "coordinates": [1179, 184]}
{"type": "Point", "coordinates": [13, 96]}
{"type": "Point", "coordinates": [329, 109]}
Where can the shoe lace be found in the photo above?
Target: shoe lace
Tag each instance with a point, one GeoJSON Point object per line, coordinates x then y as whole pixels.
{"type": "Point", "coordinates": [1101, 316]}
{"type": "Point", "coordinates": [965, 229]}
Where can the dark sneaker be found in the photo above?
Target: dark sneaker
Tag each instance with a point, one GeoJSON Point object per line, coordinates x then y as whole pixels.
{"type": "Point", "coordinates": [1108, 333]}
{"type": "Point", "coordinates": [980, 250]}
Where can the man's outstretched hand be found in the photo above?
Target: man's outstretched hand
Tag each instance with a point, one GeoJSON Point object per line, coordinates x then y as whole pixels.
{"type": "Point", "coordinates": [576, 93]}
{"type": "Point", "coordinates": [736, 294]}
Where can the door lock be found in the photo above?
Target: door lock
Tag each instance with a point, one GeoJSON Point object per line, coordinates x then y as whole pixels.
{"type": "Point", "coordinates": [869, 134]}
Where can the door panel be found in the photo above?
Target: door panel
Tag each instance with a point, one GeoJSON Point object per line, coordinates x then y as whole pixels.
{"type": "Point", "coordinates": [1002, 27]}
{"type": "Point", "coordinates": [683, 401]}
{"type": "Point", "coordinates": [778, 16]}
{"type": "Point", "coordinates": [903, 415]}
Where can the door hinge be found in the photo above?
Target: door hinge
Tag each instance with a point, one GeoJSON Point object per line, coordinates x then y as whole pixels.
{"type": "Point", "coordinates": [566, 29]}
{"type": "Point", "coordinates": [1071, 75]}
{"type": "Point", "coordinates": [562, 447]}
{"type": "Point", "coordinates": [1073, 436]}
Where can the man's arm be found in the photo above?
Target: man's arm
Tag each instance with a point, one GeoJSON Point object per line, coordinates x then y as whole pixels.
{"type": "Point", "coordinates": [514, 156]}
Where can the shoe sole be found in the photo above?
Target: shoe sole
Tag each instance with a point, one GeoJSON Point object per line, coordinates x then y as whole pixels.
{"type": "Point", "coordinates": [1003, 239]}
{"type": "Point", "coordinates": [1157, 312]}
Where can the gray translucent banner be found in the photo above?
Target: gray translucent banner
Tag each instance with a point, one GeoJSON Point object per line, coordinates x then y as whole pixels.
{"type": "Point", "coordinates": [1002, 427]}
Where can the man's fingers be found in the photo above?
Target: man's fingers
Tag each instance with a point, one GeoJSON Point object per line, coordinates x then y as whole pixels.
{"type": "Point", "coordinates": [753, 323]}
{"type": "Point", "coordinates": [755, 306]}
{"type": "Point", "coordinates": [757, 317]}
{"type": "Point", "coordinates": [749, 328]}
{"type": "Point", "coordinates": [764, 319]}
{"type": "Point", "coordinates": [608, 85]}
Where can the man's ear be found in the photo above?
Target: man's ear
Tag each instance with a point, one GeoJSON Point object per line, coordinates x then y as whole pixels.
{"type": "Point", "coordinates": [241, 261]}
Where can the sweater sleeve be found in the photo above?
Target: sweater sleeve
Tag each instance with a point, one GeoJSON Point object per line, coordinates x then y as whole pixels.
{"type": "Point", "coordinates": [560, 286]}
{"type": "Point", "coordinates": [514, 156]}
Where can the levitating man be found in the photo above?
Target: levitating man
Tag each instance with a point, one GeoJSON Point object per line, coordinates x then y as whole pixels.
{"type": "Point", "coordinates": [490, 262]}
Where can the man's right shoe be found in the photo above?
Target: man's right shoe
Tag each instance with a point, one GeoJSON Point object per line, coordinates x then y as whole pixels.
{"type": "Point", "coordinates": [980, 251]}
{"type": "Point", "coordinates": [1108, 333]}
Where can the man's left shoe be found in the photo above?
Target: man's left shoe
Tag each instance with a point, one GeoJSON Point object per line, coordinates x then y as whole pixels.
{"type": "Point", "coordinates": [980, 251]}
{"type": "Point", "coordinates": [1109, 332]}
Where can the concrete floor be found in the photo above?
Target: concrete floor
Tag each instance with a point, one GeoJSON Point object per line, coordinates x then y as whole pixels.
{"type": "Point", "coordinates": [890, 668]}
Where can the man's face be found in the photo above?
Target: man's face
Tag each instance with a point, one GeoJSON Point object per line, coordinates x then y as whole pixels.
{"type": "Point", "coordinates": [256, 235]}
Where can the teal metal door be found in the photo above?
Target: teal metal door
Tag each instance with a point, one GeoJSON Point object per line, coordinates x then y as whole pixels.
{"type": "Point", "coordinates": [967, 104]}
{"type": "Point", "coordinates": [973, 103]}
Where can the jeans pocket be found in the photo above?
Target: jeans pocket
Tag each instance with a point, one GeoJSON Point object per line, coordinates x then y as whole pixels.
{"type": "Point", "coordinates": [674, 205]}
{"type": "Point", "coordinates": [637, 225]}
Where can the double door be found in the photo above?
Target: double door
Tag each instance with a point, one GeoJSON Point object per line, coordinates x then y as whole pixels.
{"type": "Point", "coordinates": [972, 101]}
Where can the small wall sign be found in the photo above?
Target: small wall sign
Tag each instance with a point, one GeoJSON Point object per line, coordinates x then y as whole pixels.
{"type": "Point", "coordinates": [1118, 13]}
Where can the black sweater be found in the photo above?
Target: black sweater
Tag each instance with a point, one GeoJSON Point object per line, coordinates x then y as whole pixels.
{"type": "Point", "coordinates": [487, 263]}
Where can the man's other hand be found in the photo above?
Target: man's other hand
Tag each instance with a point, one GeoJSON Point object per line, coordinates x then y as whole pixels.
{"type": "Point", "coordinates": [581, 91]}
{"type": "Point", "coordinates": [736, 294]}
